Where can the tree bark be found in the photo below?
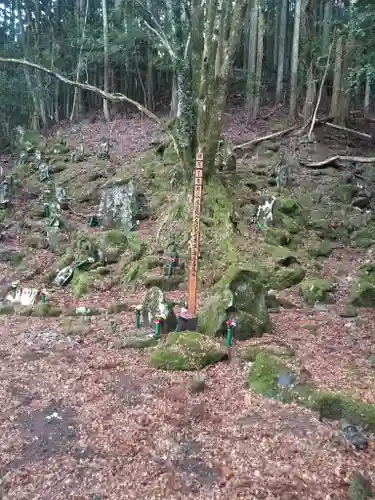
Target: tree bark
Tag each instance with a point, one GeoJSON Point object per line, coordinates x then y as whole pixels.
{"type": "Point", "coordinates": [295, 61]}
{"type": "Point", "coordinates": [281, 54]}
{"type": "Point", "coordinates": [106, 59]}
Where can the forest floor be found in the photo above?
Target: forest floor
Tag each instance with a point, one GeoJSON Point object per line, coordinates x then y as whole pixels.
{"type": "Point", "coordinates": [85, 420]}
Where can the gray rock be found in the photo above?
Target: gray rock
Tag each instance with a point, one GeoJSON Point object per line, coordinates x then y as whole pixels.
{"type": "Point", "coordinates": [286, 380]}
{"type": "Point", "coordinates": [360, 202]}
{"type": "Point", "coordinates": [155, 307]}
{"type": "Point", "coordinates": [120, 206]}
{"type": "Point", "coordinates": [349, 312]}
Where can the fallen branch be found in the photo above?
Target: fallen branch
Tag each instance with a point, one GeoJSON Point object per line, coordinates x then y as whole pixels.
{"type": "Point", "coordinates": [280, 133]}
{"type": "Point", "coordinates": [257, 140]}
{"type": "Point", "coordinates": [337, 158]}
{"type": "Point", "coordinates": [319, 98]}
{"type": "Point", "coordinates": [350, 131]}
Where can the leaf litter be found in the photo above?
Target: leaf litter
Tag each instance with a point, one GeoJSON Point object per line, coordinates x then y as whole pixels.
{"type": "Point", "coordinates": [83, 419]}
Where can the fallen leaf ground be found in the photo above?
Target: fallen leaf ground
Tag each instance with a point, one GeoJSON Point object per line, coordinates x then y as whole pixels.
{"type": "Point", "coordinates": [85, 420]}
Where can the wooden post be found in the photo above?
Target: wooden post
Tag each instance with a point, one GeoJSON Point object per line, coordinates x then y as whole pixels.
{"type": "Point", "coordinates": [195, 236]}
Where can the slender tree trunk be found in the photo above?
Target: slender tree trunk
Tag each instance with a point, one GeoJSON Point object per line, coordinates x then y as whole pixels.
{"type": "Point", "coordinates": [281, 50]}
{"type": "Point", "coordinates": [337, 78]}
{"type": "Point", "coordinates": [259, 66]}
{"type": "Point", "coordinates": [77, 97]}
{"type": "Point", "coordinates": [343, 115]}
{"type": "Point", "coordinates": [366, 102]}
{"type": "Point", "coordinates": [295, 61]}
{"type": "Point", "coordinates": [327, 23]}
{"type": "Point", "coordinates": [276, 27]}
{"type": "Point", "coordinates": [252, 51]}
{"type": "Point", "coordinates": [310, 95]}
{"type": "Point", "coordinates": [106, 59]}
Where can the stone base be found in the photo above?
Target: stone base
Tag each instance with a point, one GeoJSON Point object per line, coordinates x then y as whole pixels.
{"type": "Point", "coordinates": [187, 324]}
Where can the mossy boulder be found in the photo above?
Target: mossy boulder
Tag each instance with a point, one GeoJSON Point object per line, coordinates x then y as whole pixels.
{"type": "Point", "coordinates": [155, 306]}
{"type": "Point", "coordinates": [241, 290]}
{"type": "Point", "coordinates": [214, 313]}
{"type": "Point", "coordinates": [41, 310]}
{"type": "Point", "coordinates": [82, 282]}
{"type": "Point", "coordinates": [187, 351]}
{"type": "Point", "coordinates": [323, 249]}
{"type": "Point", "coordinates": [364, 237]}
{"type": "Point", "coordinates": [285, 277]}
{"type": "Point", "coordinates": [165, 283]}
{"type": "Point", "coordinates": [316, 290]}
{"type": "Point", "coordinates": [363, 291]}
{"type": "Point", "coordinates": [139, 342]}
{"type": "Point", "coordinates": [343, 193]}
{"type": "Point", "coordinates": [247, 325]}
{"type": "Point", "coordinates": [276, 236]}
{"type": "Point", "coordinates": [249, 353]}
{"type": "Point", "coordinates": [6, 309]}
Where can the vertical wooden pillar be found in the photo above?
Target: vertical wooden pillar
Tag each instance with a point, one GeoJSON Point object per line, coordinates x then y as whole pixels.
{"type": "Point", "coordinates": [195, 236]}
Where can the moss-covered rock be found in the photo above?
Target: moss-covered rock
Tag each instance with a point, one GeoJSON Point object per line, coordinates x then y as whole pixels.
{"type": "Point", "coordinates": [141, 342]}
{"type": "Point", "coordinates": [41, 310]}
{"type": "Point", "coordinates": [248, 288]}
{"type": "Point", "coordinates": [285, 277]}
{"type": "Point", "coordinates": [165, 283]}
{"type": "Point", "coordinates": [241, 290]}
{"type": "Point", "coordinates": [323, 249]}
{"type": "Point", "coordinates": [363, 291]}
{"type": "Point", "coordinates": [187, 351]}
{"type": "Point", "coordinates": [364, 237]}
{"type": "Point", "coordinates": [276, 236]}
{"type": "Point", "coordinates": [155, 306]}
{"type": "Point", "coordinates": [316, 290]}
{"type": "Point", "coordinates": [343, 193]}
{"type": "Point", "coordinates": [82, 282]}
{"type": "Point", "coordinates": [247, 325]}
{"type": "Point", "coordinates": [264, 378]}
{"type": "Point", "coordinates": [6, 309]}
{"type": "Point", "coordinates": [214, 313]}
{"type": "Point", "coordinates": [249, 353]}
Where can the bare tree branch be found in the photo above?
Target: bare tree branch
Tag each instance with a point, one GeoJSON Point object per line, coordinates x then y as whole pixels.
{"type": "Point", "coordinates": [85, 86]}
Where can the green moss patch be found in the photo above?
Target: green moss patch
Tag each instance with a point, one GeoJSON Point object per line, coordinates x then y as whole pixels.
{"type": "Point", "coordinates": [6, 309]}
{"type": "Point", "coordinates": [316, 290]}
{"type": "Point", "coordinates": [82, 282]}
{"type": "Point", "coordinates": [363, 291]}
{"type": "Point", "coordinates": [139, 342]}
{"type": "Point", "coordinates": [264, 378]}
{"type": "Point", "coordinates": [187, 351]}
{"type": "Point", "coordinates": [41, 310]}
{"type": "Point", "coordinates": [239, 295]}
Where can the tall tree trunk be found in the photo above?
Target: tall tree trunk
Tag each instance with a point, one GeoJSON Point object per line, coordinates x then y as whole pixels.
{"type": "Point", "coordinates": [252, 52]}
{"type": "Point", "coordinates": [281, 51]}
{"type": "Point", "coordinates": [327, 23]}
{"type": "Point", "coordinates": [106, 59]}
{"type": "Point", "coordinates": [276, 27]}
{"type": "Point", "coordinates": [343, 115]}
{"type": "Point", "coordinates": [366, 101]}
{"type": "Point", "coordinates": [259, 66]}
{"type": "Point", "coordinates": [77, 98]}
{"type": "Point", "coordinates": [295, 61]}
{"type": "Point", "coordinates": [334, 111]}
